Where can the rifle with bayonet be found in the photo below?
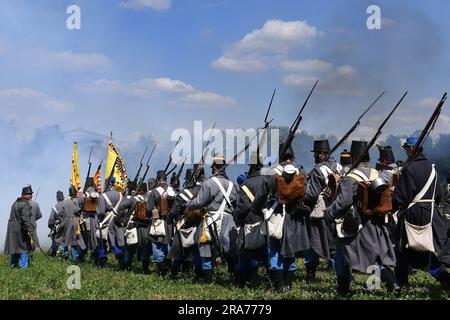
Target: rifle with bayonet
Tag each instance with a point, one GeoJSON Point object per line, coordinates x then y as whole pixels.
{"type": "Point", "coordinates": [135, 181]}
{"type": "Point", "coordinates": [352, 129]}
{"type": "Point", "coordinates": [253, 166]}
{"type": "Point", "coordinates": [202, 161]}
{"type": "Point", "coordinates": [146, 169]}
{"type": "Point", "coordinates": [376, 136]}
{"type": "Point", "coordinates": [294, 126]}
{"type": "Point", "coordinates": [89, 170]}
{"type": "Point", "coordinates": [170, 156]}
{"type": "Point", "coordinates": [428, 128]}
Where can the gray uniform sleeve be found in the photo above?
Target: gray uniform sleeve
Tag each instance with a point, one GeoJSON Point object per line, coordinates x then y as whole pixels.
{"type": "Point", "coordinates": [38, 213]}
{"type": "Point", "coordinates": [314, 186]}
{"type": "Point", "coordinates": [101, 207]}
{"type": "Point", "coordinates": [26, 216]}
{"type": "Point", "coordinates": [202, 198]}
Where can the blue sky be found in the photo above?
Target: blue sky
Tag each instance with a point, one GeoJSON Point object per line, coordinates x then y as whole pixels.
{"type": "Point", "coordinates": [142, 66]}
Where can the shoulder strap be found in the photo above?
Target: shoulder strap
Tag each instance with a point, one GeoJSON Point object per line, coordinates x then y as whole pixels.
{"type": "Point", "coordinates": [358, 176]}
{"type": "Point", "coordinates": [248, 193]}
{"type": "Point", "coordinates": [278, 169]}
{"type": "Point", "coordinates": [373, 174]}
{"type": "Point", "coordinates": [183, 196]}
{"type": "Point", "coordinates": [325, 172]}
{"type": "Point", "coordinates": [425, 188]}
{"type": "Point", "coordinates": [160, 190]}
{"type": "Point", "coordinates": [56, 211]}
{"type": "Point", "coordinates": [226, 194]}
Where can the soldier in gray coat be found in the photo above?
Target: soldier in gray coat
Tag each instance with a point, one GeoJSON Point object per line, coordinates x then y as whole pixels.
{"type": "Point", "coordinates": [363, 242]}
{"type": "Point", "coordinates": [36, 214]}
{"type": "Point", "coordinates": [54, 220]}
{"type": "Point", "coordinates": [216, 234]}
{"type": "Point", "coordinates": [290, 239]}
{"type": "Point", "coordinates": [69, 234]}
{"type": "Point", "coordinates": [19, 233]}
{"type": "Point", "coordinates": [112, 229]}
{"type": "Point", "coordinates": [318, 197]}
{"type": "Point", "coordinates": [159, 203]}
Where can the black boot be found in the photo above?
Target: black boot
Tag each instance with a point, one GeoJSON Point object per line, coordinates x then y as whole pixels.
{"type": "Point", "coordinates": [311, 273]}
{"type": "Point", "coordinates": [277, 277]}
{"type": "Point", "coordinates": [145, 266]}
{"type": "Point", "coordinates": [388, 277]}
{"type": "Point", "coordinates": [253, 279]}
{"type": "Point", "coordinates": [402, 278]}
{"type": "Point", "coordinates": [288, 280]}
{"type": "Point", "coordinates": [207, 276]}
{"type": "Point", "coordinates": [444, 279]}
{"type": "Point", "coordinates": [343, 288]}
{"type": "Point", "coordinates": [162, 268]}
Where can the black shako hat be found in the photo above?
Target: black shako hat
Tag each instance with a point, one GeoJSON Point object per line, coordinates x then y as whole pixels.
{"type": "Point", "coordinates": [321, 146]}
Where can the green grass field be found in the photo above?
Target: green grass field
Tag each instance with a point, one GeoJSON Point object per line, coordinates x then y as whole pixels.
{"type": "Point", "coordinates": [46, 279]}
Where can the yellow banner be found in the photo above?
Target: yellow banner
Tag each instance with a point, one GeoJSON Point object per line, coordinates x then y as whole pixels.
{"type": "Point", "coordinates": [116, 165]}
{"type": "Point", "coordinates": [75, 179]}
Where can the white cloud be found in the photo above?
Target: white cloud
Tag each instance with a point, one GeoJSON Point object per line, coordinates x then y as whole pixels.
{"type": "Point", "coordinates": [57, 105]}
{"type": "Point", "coordinates": [101, 85]}
{"type": "Point", "coordinates": [277, 35]}
{"type": "Point", "coordinates": [186, 94]}
{"type": "Point", "coordinates": [158, 5]}
{"type": "Point", "coordinates": [69, 61]}
{"type": "Point", "coordinates": [240, 64]}
{"type": "Point", "coordinates": [205, 99]}
{"type": "Point", "coordinates": [298, 80]}
{"type": "Point", "coordinates": [427, 102]}
{"type": "Point", "coordinates": [21, 93]}
{"type": "Point", "coordinates": [347, 71]}
{"type": "Point", "coordinates": [342, 81]}
{"type": "Point", "coordinates": [148, 86]}
{"type": "Point", "coordinates": [305, 65]}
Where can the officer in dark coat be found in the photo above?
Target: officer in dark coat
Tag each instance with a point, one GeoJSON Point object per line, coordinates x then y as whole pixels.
{"type": "Point", "coordinates": [318, 197]}
{"type": "Point", "coordinates": [284, 246]}
{"type": "Point", "coordinates": [182, 251]}
{"type": "Point", "coordinates": [54, 220]}
{"type": "Point", "coordinates": [417, 195]}
{"type": "Point", "coordinates": [252, 251]}
{"type": "Point", "coordinates": [363, 242]}
{"type": "Point", "coordinates": [159, 203]}
{"type": "Point", "coordinates": [19, 233]}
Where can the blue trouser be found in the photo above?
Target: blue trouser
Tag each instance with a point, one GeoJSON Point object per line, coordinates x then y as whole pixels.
{"type": "Point", "coordinates": [159, 252]}
{"type": "Point", "coordinates": [340, 265]}
{"type": "Point", "coordinates": [246, 264]}
{"type": "Point", "coordinates": [277, 261]}
{"type": "Point", "coordinates": [65, 252]}
{"type": "Point", "coordinates": [19, 259]}
{"type": "Point", "coordinates": [129, 253]}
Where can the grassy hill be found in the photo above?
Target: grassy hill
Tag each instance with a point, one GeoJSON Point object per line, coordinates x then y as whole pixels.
{"type": "Point", "coordinates": [46, 279]}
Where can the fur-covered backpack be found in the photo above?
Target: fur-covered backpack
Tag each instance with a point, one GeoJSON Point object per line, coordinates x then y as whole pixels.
{"type": "Point", "coordinates": [290, 185]}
